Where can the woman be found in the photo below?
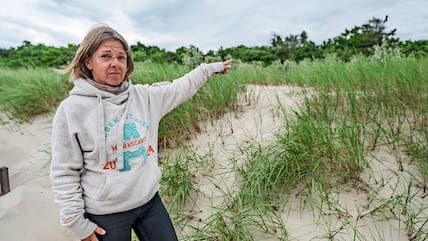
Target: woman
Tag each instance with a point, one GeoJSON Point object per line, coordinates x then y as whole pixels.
{"type": "Point", "coordinates": [104, 170]}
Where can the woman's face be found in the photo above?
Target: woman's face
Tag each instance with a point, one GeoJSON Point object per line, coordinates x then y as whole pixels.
{"type": "Point", "coordinates": [108, 63]}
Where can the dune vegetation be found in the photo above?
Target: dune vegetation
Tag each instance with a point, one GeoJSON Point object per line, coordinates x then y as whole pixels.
{"type": "Point", "coordinates": [350, 110]}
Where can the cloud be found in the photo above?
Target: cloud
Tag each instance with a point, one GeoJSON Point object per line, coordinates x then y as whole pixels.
{"type": "Point", "coordinates": [207, 24]}
{"type": "Point", "coordinates": [39, 23]}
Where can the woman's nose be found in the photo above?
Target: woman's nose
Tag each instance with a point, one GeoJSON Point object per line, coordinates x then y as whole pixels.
{"type": "Point", "coordinates": [114, 62]}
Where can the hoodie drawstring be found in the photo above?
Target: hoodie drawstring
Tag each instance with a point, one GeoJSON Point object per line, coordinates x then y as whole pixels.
{"type": "Point", "coordinates": [119, 138]}
{"type": "Point", "coordinates": [102, 153]}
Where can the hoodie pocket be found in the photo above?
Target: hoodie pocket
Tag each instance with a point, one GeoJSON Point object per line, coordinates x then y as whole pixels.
{"type": "Point", "coordinates": [136, 182]}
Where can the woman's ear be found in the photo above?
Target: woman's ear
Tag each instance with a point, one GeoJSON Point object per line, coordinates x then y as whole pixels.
{"type": "Point", "coordinates": [88, 63]}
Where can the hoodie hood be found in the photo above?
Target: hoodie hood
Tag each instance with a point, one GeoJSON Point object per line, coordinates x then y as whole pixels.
{"type": "Point", "coordinates": [83, 87]}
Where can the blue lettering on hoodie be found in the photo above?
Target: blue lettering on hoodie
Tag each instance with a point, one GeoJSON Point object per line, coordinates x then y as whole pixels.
{"type": "Point", "coordinates": [130, 132]}
{"type": "Point", "coordinates": [110, 125]}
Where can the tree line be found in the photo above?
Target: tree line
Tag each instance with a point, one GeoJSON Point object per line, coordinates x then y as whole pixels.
{"type": "Point", "coordinates": [360, 40]}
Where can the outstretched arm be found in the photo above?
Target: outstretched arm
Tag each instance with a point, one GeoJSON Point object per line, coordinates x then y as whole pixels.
{"type": "Point", "coordinates": [167, 96]}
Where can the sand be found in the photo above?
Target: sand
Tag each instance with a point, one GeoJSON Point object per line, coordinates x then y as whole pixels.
{"type": "Point", "coordinates": [28, 212]}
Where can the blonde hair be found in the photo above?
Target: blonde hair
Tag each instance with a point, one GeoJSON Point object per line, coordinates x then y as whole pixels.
{"type": "Point", "coordinates": [89, 45]}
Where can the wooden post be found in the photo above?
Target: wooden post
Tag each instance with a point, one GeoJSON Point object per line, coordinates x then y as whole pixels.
{"type": "Point", "coordinates": [4, 180]}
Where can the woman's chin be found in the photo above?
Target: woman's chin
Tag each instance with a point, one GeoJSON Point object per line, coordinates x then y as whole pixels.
{"type": "Point", "coordinates": [114, 82]}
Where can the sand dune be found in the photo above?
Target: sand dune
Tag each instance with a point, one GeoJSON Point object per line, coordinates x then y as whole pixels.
{"type": "Point", "coordinates": [29, 213]}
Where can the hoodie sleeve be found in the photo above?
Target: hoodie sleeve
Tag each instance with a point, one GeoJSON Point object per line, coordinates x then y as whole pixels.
{"type": "Point", "coordinates": [170, 95]}
{"type": "Point", "coordinates": [66, 166]}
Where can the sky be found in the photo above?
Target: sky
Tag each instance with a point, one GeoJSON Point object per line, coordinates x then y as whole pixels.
{"type": "Point", "coordinates": [206, 24]}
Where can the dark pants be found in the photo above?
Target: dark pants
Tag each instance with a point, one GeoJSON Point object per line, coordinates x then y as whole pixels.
{"type": "Point", "coordinates": [150, 222]}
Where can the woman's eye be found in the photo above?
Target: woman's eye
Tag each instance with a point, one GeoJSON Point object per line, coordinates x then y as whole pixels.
{"type": "Point", "coordinates": [105, 56]}
{"type": "Point", "coordinates": [121, 58]}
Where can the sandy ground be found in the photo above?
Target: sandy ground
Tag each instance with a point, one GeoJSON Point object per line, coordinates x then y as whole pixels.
{"type": "Point", "coordinates": [28, 212]}
{"type": "Point", "coordinates": [356, 215]}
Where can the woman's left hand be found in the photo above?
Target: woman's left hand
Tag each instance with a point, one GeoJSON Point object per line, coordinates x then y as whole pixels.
{"type": "Point", "coordinates": [227, 65]}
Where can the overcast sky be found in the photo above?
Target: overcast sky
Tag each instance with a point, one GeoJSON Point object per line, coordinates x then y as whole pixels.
{"type": "Point", "coordinates": [207, 24]}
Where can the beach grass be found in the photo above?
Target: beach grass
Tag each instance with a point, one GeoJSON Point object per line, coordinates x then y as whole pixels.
{"type": "Point", "coordinates": [25, 93]}
{"type": "Point", "coordinates": [357, 108]}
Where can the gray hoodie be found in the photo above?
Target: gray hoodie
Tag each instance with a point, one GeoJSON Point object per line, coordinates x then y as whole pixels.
{"type": "Point", "coordinates": [104, 146]}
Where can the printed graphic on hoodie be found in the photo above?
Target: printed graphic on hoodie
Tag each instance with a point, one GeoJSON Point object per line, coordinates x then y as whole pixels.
{"type": "Point", "coordinates": [134, 143]}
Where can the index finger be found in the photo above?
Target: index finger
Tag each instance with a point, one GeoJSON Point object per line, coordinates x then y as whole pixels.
{"type": "Point", "coordinates": [228, 61]}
